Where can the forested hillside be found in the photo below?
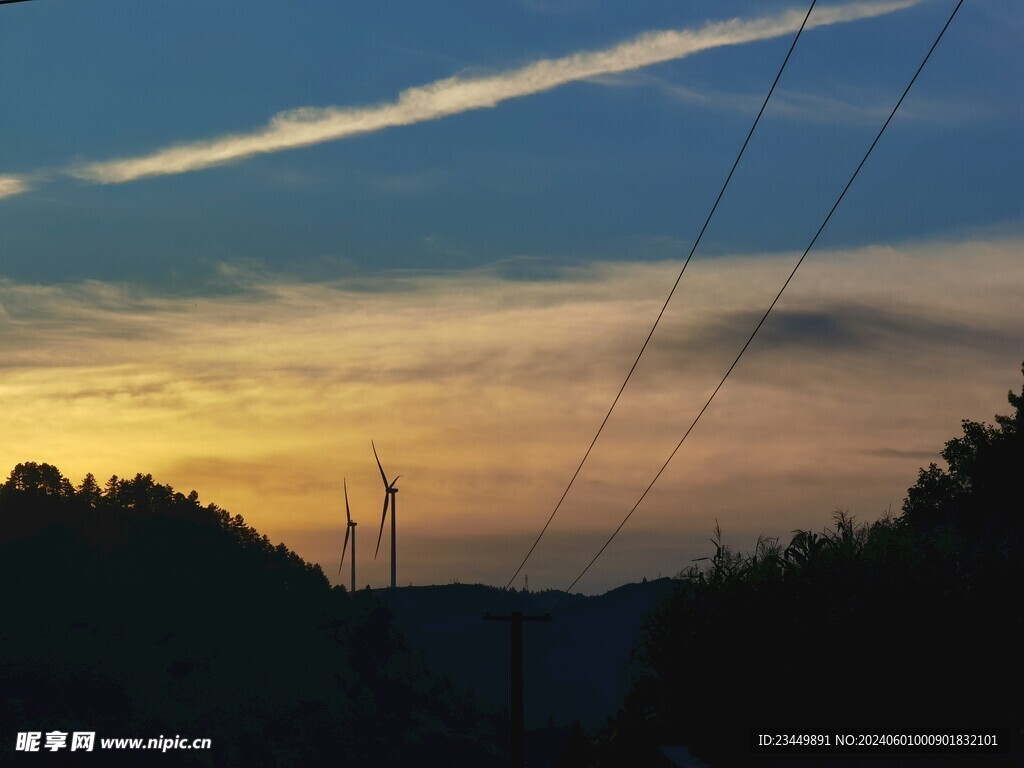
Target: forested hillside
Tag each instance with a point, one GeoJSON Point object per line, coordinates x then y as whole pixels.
{"type": "Point", "coordinates": [131, 610]}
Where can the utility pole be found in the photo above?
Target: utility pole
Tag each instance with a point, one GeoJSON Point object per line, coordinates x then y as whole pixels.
{"type": "Point", "coordinates": [515, 620]}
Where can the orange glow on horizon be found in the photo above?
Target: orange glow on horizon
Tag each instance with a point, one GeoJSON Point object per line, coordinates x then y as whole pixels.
{"type": "Point", "coordinates": [483, 393]}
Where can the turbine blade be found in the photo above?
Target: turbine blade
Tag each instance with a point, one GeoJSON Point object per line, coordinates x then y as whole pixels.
{"type": "Point", "coordinates": [392, 486]}
{"type": "Point", "coordinates": [348, 514]}
{"type": "Point", "coordinates": [344, 548]}
{"type": "Point", "coordinates": [383, 517]}
{"type": "Point", "coordinates": [382, 475]}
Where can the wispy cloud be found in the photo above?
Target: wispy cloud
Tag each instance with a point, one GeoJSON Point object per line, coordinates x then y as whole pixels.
{"type": "Point", "coordinates": [844, 106]}
{"type": "Point", "coordinates": [12, 185]}
{"type": "Point", "coordinates": [450, 96]}
{"type": "Point", "coordinates": [483, 392]}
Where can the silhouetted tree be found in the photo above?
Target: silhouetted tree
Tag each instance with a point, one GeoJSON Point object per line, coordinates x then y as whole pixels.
{"type": "Point", "coordinates": [898, 623]}
{"type": "Point", "coordinates": [90, 492]}
{"type": "Point", "coordinates": [38, 480]}
{"type": "Point", "coordinates": [983, 485]}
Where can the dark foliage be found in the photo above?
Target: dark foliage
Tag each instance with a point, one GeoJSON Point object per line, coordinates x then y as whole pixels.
{"type": "Point", "coordinates": [135, 611]}
{"type": "Point", "coordinates": [910, 622]}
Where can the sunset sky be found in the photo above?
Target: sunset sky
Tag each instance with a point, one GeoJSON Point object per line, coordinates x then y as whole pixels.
{"type": "Point", "coordinates": [238, 240]}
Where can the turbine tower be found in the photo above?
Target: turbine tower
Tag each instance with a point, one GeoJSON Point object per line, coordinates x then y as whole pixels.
{"type": "Point", "coordinates": [389, 497]}
{"type": "Point", "coordinates": [351, 528]}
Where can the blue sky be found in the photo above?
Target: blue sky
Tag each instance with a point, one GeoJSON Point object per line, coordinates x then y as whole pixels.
{"type": "Point", "coordinates": [582, 171]}
{"type": "Point", "coordinates": [560, 204]}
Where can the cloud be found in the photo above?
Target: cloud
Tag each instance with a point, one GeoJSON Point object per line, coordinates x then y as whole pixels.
{"type": "Point", "coordinates": [308, 126]}
{"type": "Point", "coordinates": [12, 185]}
{"type": "Point", "coordinates": [848, 325]}
{"type": "Point", "coordinates": [922, 455]}
{"type": "Point", "coordinates": [844, 106]}
{"type": "Point", "coordinates": [482, 393]}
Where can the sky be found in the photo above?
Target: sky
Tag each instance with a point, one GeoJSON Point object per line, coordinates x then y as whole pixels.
{"type": "Point", "coordinates": [240, 240]}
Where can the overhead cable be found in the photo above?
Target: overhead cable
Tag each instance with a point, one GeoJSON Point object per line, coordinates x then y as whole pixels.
{"type": "Point", "coordinates": [776, 299]}
{"type": "Point", "coordinates": [671, 293]}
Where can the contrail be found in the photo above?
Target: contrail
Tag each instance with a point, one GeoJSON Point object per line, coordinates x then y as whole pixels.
{"type": "Point", "coordinates": [453, 95]}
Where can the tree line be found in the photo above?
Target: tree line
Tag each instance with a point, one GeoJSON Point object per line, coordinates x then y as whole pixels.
{"type": "Point", "coordinates": [911, 621]}
{"type": "Point", "coordinates": [133, 610]}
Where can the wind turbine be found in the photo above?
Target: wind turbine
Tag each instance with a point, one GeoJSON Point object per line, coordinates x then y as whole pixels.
{"type": "Point", "coordinates": [351, 528]}
{"type": "Point", "coordinates": [389, 495]}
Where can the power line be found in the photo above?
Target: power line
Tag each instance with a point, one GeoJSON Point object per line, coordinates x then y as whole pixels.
{"type": "Point", "coordinates": [671, 293]}
{"type": "Point", "coordinates": [778, 295]}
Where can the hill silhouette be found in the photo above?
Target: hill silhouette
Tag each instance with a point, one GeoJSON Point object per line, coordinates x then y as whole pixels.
{"type": "Point", "coordinates": [134, 611]}
{"type": "Point", "coordinates": [570, 675]}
